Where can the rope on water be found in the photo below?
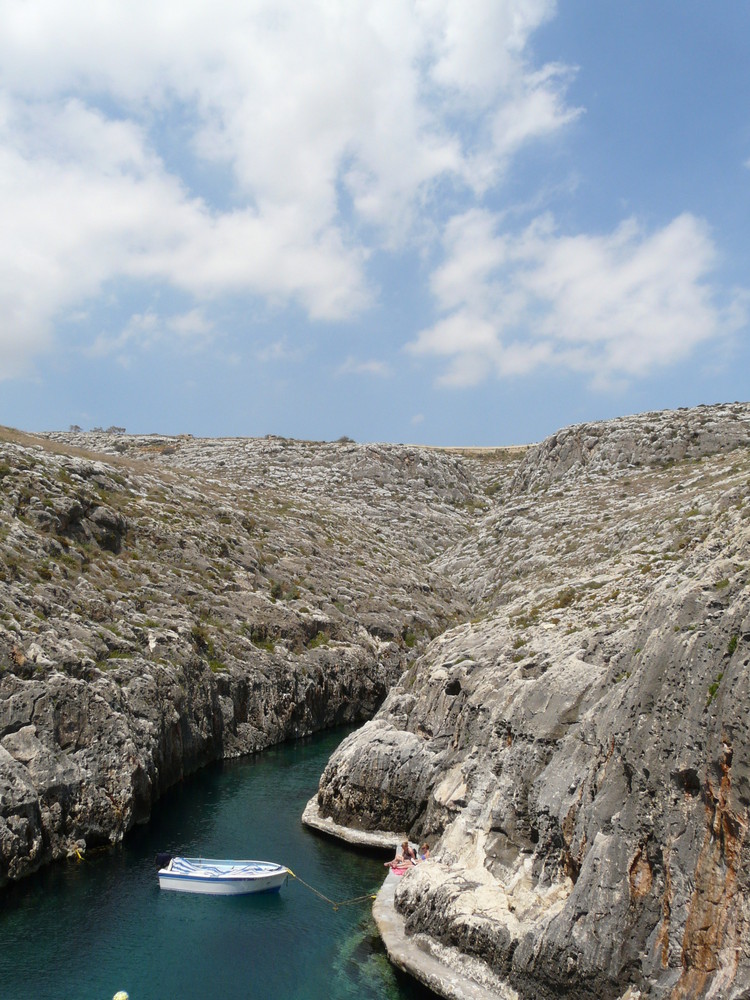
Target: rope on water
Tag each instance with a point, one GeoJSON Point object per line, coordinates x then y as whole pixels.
{"type": "Point", "coordinates": [334, 903]}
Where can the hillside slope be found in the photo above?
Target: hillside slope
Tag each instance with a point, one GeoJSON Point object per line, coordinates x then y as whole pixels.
{"type": "Point", "coordinates": [551, 646]}
{"type": "Point", "coordinates": [165, 602]}
{"type": "Point", "coordinates": [578, 753]}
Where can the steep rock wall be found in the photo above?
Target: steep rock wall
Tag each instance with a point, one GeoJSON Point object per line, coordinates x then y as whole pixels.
{"type": "Point", "coordinates": [167, 602]}
{"type": "Point", "coordinates": [578, 756]}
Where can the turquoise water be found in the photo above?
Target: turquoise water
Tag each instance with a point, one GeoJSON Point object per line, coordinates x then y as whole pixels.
{"type": "Point", "coordinates": [84, 930]}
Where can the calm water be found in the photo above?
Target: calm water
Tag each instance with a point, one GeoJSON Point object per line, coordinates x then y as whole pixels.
{"type": "Point", "coordinates": [84, 930]}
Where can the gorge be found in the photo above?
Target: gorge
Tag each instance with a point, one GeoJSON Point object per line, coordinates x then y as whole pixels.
{"type": "Point", "coordinates": [547, 645]}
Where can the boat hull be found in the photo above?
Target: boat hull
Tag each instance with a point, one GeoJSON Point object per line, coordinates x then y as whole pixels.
{"type": "Point", "coordinates": [212, 877]}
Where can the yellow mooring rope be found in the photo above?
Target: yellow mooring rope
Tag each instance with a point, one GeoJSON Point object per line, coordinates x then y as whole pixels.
{"type": "Point", "coordinates": [333, 903]}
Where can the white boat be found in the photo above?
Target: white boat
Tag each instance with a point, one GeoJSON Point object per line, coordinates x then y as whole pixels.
{"type": "Point", "coordinates": [222, 878]}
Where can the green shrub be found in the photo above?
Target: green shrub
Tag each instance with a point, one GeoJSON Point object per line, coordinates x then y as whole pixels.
{"type": "Point", "coordinates": [713, 689]}
{"type": "Point", "coordinates": [201, 638]}
{"type": "Point", "coordinates": [282, 592]}
{"type": "Point", "coordinates": [44, 571]}
{"type": "Point", "coordinates": [564, 598]}
{"type": "Point", "coordinates": [260, 638]}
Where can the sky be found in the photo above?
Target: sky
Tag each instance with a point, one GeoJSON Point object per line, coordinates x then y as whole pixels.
{"type": "Point", "coordinates": [419, 221]}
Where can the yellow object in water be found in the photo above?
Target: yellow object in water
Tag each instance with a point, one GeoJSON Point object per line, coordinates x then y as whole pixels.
{"type": "Point", "coordinates": [120, 995]}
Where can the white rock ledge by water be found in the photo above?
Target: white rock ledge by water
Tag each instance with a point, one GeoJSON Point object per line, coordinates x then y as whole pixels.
{"type": "Point", "coordinates": [443, 970]}
{"type": "Point", "coordinates": [365, 838]}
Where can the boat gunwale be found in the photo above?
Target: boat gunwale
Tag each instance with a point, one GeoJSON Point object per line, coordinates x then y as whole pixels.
{"type": "Point", "coordinates": [224, 870]}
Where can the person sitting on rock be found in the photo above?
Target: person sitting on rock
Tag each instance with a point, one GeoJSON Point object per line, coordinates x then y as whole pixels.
{"type": "Point", "coordinates": [406, 856]}
{"type": "Point", "coordinates": [409, 854]}
{"type": "Point", "coordinates": [424, 852]}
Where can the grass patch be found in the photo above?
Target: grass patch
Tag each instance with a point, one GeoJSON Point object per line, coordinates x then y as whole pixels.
{"type": "Point", "coordinates": [284, 592]}
{"type": "Point", "coordinates": [713, 689]}
{"type": "Point", "coordinates": [564, 598]}
{"type": "Point", "coordinates": [524, 620]}
{"type": "Point", "coordinates": [201, 638]}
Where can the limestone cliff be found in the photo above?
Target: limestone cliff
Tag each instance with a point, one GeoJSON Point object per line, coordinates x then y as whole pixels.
{"type": "Point", "coordinates": [166, 602]}
{"type": "Point", "coordinates": [578, 754]}
{"type": "Point", "coordinates": [551, 646]}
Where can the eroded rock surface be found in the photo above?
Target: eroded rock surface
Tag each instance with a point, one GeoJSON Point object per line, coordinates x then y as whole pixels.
{"type": "Point", "coordinates": [166, 602]}
{"type": "Point", "coordinates": [577, 753]}
{"type": "Point", "coordinates": [557, 640]}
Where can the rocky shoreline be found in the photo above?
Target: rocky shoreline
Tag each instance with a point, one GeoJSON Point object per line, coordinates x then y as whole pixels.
{"type": "Point", "coordinates": [578, 752]}
{"type": "Point", "coordinates": [548, 647]}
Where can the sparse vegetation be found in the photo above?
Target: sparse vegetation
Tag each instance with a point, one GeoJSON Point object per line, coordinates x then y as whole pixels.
{"type": "Point", "coordinates": [387, 548]}
{"type": "Point", "coordinates": [319, 639]}
{"type": "Point", "coordinates": [713, 688]}
{"type": "Point", "coordinates": [564, 598]}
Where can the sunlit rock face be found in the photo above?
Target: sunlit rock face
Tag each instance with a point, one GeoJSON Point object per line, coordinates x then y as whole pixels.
{"type": "Point", "coordinates": [577, 753]}
{"type": "Point", "coordinates": [550, 644]}
{"type": "Point", "coordinates": [167, 602]}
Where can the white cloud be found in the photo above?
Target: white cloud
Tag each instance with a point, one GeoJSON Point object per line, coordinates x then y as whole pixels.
{"type": "Point", "coordinates": [615, 306]}
{"type": "Point", "coordinates": [85, 201]}
{"type": "Point", "coordinates": [464, 40]}
{"type": "Point", "coordinates": [280, 351]}
{"type": "Point", "coordinates": [537, 110]}
{"type": "Point", "coordinates": [310, 108]}
{"type": "Point", "coordinates": [372, 367]}
{"type": "Point", "coordinates": [192, 327]}
{"type": "Point", "coordinates": [144, 331]}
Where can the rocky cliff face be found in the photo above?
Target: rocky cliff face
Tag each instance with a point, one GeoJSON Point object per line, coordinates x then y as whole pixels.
{"type": "Point", "coordinates": [166, 602]}
{"type": "Point", "coordinates": [578, 753]}
{"type": "Point", "coordinates": [554, 644]}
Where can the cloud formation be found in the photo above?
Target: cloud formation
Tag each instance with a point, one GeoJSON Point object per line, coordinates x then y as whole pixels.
{"type": "Point", "coordinates": [266, 151]}
{"type": "Point", "coordinates": [613, 306]}
{"type": "Point", "coordinates": [331, 124]}
{"type": "Point", "coordinates": [189, 331]}
{"type": "Point", "coordinates": [371, 367]}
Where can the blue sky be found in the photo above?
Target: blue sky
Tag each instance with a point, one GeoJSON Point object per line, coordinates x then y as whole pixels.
{"type": "Point", "coordinates": [424, 221]}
